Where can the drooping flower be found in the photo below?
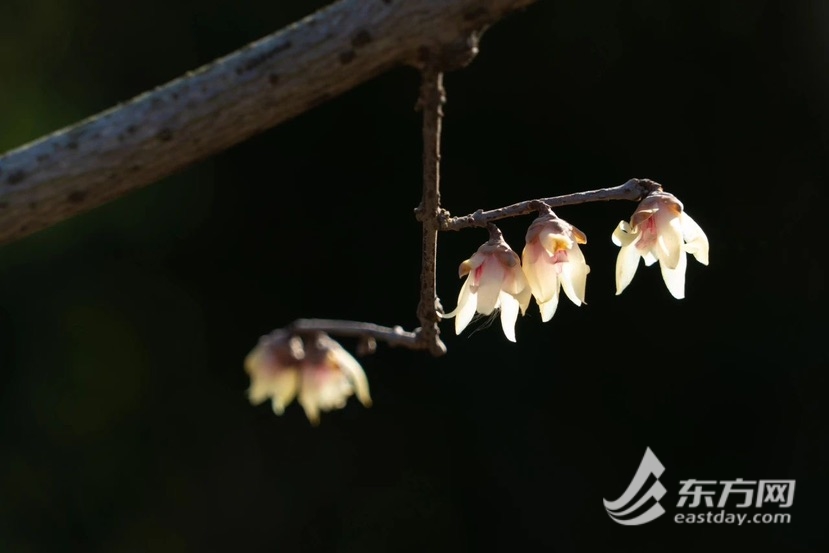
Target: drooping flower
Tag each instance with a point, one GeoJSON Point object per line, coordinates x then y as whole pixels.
{"type": "Point", "coordinates": [659, 230]}
{"type": "Point", "coordinates": [493, 281]}
{"type": "Point", "coordinates": [312, 367]}
{"type": "Point", "coordinates": [552, 261]}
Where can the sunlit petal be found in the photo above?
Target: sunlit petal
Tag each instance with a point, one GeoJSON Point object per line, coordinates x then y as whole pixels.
{"type": "Point", "coordinates": [546, 279]}
{"type": "Point", "coordinates": [574, 275]}
{"type": "Point", "coordinates": [467, 304]}
{"type": "Point", "coordinates": [524, 299]}
{"type": "Point", "coordinates": [509, 314]}
{"type": "Point", "coordinates": [548, 308]}
{"type": "Point", "coordinates": [622, 234]}
{"type": "Point", "coordinates": [695, 238]}
{"type": "Point", "coordinates": [669, 243]}
{"type": "Point", "coordinates": [492, 276]}
{"type": "Point", "coordinates": [626, 263]}
{"type": "Point", "coordinates": [514, 280]}
{"type": "Point", "coordinates": [675, 278]}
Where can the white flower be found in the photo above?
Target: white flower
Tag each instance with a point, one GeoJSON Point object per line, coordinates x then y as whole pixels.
{"type": "Point", "coordinates": [552, 260]}
{"type": "Point", "coordinates": [659, 230]}
{"type": "Point", "coordinates": [493, 281]}
{"type": "Point", "coordinates": [313, 367]}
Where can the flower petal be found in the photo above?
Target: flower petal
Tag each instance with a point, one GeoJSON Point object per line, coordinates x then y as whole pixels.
{"type": "Point", "coordinates": [467, 305]}
{"type": "Point", "coordinates": [324, 387]}
{"type": "Point", "coordinates": [544, 275]}
{"type": "Point", "coordinates": [642, 215]}
{"type": "Point", "coordinates": [489, 287]}
{"type": "Point", "coordinates": [352, 370]}
{"type": "Point", "coordinates": [695, 238]}
{"type": "Point", "coordinates": [578, 235]}
{"type": "Point", "coordinates": [669, 243]}
{"type": "Point", "coordinates": [675, 278]}
{"type": "Point", "coordinates": [548, 308]}
{"type": "Point", "coordinates": [626, 264]}
{"type": "Point", "coordinates": [574, 275]}
{"type": "Point", "coordinates": [514, 280]}
{"type": "Point", "coordinates": [509, 314]}
{"type": "Point", "coordinates": [622, 234]}
{"type": "Point", "coordinates": [524, 298]}
{"type": "Point", "coordinates": [552, 242]}
{"type": "Point", "coordinates": [284, 388]}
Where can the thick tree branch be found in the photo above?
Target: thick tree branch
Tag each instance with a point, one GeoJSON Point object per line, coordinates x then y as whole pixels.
{"type": "Point", "coordinates": [633, 190]}
{"type": "Point", "coordinates": [225, 102]}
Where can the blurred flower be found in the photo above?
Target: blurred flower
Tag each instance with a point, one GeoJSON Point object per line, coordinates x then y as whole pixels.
{"type": "Point", "coordinates": [659, 231]}
{"type": "Point", "coordinates": [552, 260]}
{"type": "Point", "coordinates": [493, 281]}
{"type": "Point", "coordinates": [312, 366]}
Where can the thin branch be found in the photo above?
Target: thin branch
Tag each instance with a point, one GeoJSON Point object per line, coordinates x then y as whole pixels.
{"type": "Point", "coordinates": [633, 190]}
{"type": "Point", "coordinates": [393, 336]}
{"type": "Point", "coordinates": [227, 101]}
{"type": "Point", "coordinates": [432, 98]}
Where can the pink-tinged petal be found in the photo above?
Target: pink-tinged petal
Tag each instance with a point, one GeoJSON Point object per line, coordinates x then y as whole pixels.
{"type": "Point", "coordinates": [626, 264]}
{"type": "Point", "coordinates": [531, 252]}
{"type": "Point", "coordinates": [669, 243]}
{"type": "Point", "coordinates": [323, 388]}
{"type": "Point", "coordinates": [675, 278]}
{"type": "Point", "coordinates": [489, 286]}
{"type": "Point", "coordinates": [514, 280]}
{"type": "Point", "coordinates": [477, 259]}
{"type": "Point", "coordinates": [642, 215]}
{"type": "Point", "coordinates": [548, 308]}
{"type": "Point", "coordinates": [695, 238]}
{"type": "Point", "coordinates": [574, 275]}
{"type": "Point", "coordinates": [544, 275]}
{"type": "Point", "coordinates": [509, 314]}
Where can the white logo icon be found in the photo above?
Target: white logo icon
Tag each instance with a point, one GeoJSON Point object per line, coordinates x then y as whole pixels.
{"type": "Point", "coordinates": [625, 505]}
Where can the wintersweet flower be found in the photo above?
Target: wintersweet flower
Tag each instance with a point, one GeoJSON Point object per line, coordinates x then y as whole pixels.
{"type": "Point", "coordinates": [553, 261]}
{"type": "Point", "coordinates": [659, 230]}
{"type": "Point", "coordinates": [312, 367]}
{"type": "Point", "coordinates": [493, 281]}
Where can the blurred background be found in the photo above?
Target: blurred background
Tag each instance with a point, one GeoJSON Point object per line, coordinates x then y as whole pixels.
{"type": "Point", "coordinates": [124, 422]}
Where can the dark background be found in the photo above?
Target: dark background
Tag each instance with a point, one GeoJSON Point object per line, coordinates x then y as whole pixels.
{"type": "Point", "coordinates": [125, 425]}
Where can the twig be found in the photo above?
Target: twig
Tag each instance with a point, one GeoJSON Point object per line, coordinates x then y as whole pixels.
{"type": "Point", "coordinates": [393, 336]}
{"type": "Point", "coordinates": [431, 100]}
{"type": "Point", "coordinates": [227, 101]}
{"type": "Point", "coordinates": [634, 190]}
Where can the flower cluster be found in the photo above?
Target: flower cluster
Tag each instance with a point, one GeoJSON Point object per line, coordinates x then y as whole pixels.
{"type": "Point", "coordinates": [310, 366]}
{"type": "Point", "coordinates": [659, 230]}
{"type": "Point", "coordinates": [497, 279]}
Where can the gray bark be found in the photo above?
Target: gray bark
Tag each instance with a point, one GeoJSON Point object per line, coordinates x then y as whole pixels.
{"type": "Point", "coordinates": [229, 100]}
